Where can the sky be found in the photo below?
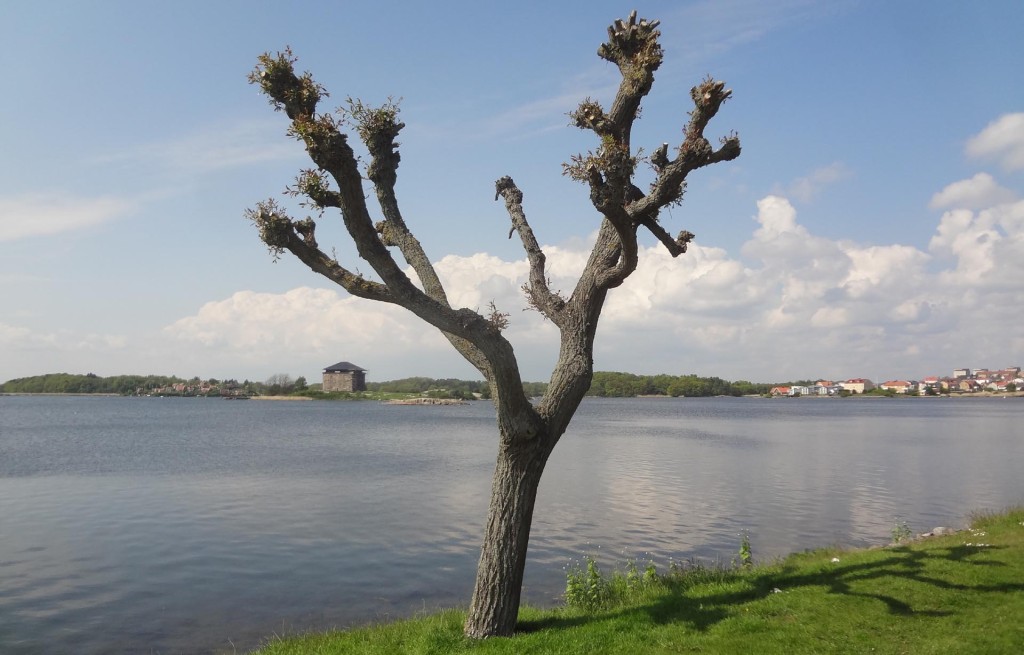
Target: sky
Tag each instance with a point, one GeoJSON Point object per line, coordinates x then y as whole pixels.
{"type": "Point", "coordinates": [873, 225]}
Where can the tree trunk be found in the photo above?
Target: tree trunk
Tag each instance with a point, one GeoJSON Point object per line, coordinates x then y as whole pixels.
{"type": "Point", "coordinates": [494, 608]}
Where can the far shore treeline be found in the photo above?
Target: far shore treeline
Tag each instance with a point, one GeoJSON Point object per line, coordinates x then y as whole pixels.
{"type": "Point", "coordinates": [605, 384]}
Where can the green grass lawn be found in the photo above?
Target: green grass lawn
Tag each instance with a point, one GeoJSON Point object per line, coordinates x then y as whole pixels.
{"type": "Point", "coordinates": [962, 593]}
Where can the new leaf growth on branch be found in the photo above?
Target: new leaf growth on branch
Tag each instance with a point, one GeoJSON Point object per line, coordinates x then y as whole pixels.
{"type": "Point", "coordinates": [527, 432]}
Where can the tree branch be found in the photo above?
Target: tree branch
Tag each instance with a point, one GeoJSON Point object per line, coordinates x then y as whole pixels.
{"type": "Point", "coordinates": [328, 147]}
{"type": "Point", "coordinates": [612, 276]}
{"type": "Point", "coordinates": [477, 339]}
{"type": "Point", "coordinates": [695, 152]}
{"type": "Point", "coordinates": [281, 233]}
{"type": "Point", "coordinates": [675, 246]}
{"type": "Point", "coordinates": [378, 128]}
{"type": "Point", "coordinates": [633, 47]}
{"type": "Point", "coordinates": [540, 295]}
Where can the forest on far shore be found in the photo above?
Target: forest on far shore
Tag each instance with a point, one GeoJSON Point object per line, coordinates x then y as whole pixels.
{"type": "Point", "coordinates": [605, 384]}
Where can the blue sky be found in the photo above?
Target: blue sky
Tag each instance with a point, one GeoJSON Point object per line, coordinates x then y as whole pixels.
{"type": "Point", "coordinates": [872, 226]}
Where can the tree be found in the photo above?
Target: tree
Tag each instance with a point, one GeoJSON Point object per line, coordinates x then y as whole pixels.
{"type": "Point", "coordinates": [527, 432]}
{"type": "Point", "coordinates": [279, 383]}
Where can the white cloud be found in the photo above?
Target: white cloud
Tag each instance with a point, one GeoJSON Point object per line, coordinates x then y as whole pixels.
{"type": "Point", "coordinates": [797, 305]}
{"type": "Point", "coordinates": [717, 26]}
{"type": "Point", "coordinates": [830, 317]}
{"type": "Point", "coordinates": [988, 246]}
{"type": "Point", "coordinates": [776, 216]}
{"type": "Point", "coordinates": [64, 340]}
{"type": "Point", "coordinates": [979, 192]}
{"type": "Point", "coordinates": [11, 335]}
{"type": "Point", "coordinates": [806, 188]}
{"type": "Point", "coordinates": [301, 331]}
{"type": "Point", "coordinates": [40, 215]}
{"type": "Point", "coordinates": [299, 322]}
{"type": "Point", "coordinates": [703, 282]}
{"type": "Point", "coordinates": [215, 148]}
{"type": "Point", "coordinates": [783, 242]}
{"type": "Point", "coordinates": [1001, 140]}
{"type": "Point", "coordinates": [880, 270]}
{"type": "Point", "coordinates": [479, 279]}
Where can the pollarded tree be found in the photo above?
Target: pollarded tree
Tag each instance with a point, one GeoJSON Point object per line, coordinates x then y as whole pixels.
{"type": "Point", "coordinates": [527, 433]}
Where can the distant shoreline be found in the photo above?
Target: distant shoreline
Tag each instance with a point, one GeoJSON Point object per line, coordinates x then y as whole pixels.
{"type": "Point", "coordinates": [53, 393]}
{"type": "Point", "coordinates": [278, 397]}
{"type": "Point", "coordinates": [976, 394]}
{"type": "Point", "coordinates": [119, 395]}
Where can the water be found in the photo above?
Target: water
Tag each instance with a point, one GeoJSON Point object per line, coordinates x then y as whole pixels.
{"type": "Point", "coordinates": [161, 525]}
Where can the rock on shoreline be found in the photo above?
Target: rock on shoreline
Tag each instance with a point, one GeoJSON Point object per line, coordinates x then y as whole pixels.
{"type": "Point", "coordinates": [426, 401]}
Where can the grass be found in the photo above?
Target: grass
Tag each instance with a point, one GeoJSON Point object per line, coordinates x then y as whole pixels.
{"type": "Point", "coordinates": [962, 593]}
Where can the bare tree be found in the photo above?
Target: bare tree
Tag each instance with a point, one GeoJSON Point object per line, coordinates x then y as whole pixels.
{"type": "Point", "coordinates": [527, 432]}
{"type": "Point", "coordinates": [281, 380]}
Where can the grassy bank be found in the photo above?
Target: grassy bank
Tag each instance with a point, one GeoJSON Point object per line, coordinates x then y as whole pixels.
{"type": "Point", "coordinates": [961, 593]}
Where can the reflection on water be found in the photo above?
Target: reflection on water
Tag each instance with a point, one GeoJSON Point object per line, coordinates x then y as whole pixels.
{"type": "Point", "coordinates": [177, 525]}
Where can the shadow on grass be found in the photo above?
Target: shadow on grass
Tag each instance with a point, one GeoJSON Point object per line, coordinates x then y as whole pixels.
{"type": "Point", "coordinates": [924, 566]}
{"type": "Point", "coordinates": [527, 626]}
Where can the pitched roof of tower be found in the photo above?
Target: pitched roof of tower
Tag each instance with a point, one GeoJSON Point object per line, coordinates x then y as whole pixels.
{"type": "Point", "coordinates": [341, 367]}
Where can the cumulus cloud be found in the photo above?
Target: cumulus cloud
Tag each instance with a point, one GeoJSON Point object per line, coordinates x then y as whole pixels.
{"type": "Point", "coordinates": [299, 322]}
{"type": "Point", "coordinates": [479, 279]}
{"type": "Point", "coordinates": [978, 192]}
{"type": "Point", "coordinates": [40, 215]}
{"type": "Point", "coordinates": [300, 330]}
{"type": "Point", "coordinates": [988, 246]}
{"type": "Point", "coordinates": [1002, 140]}
{"type": "Point", "coordinates": [791, 304]}
{"type": "Point", "coordinates": [795, 305]}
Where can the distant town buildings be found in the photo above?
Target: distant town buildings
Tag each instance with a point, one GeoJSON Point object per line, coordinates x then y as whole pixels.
{"type": "Point", "coordinates": [899, 386]}
{"type": "Point", "coordinates": [857, 385]}
{"type": "Point", "coordinates": [963, 380]}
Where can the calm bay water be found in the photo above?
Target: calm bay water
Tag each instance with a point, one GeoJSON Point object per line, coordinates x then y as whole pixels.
{"type": "Point", "coordinates": [148, 525]}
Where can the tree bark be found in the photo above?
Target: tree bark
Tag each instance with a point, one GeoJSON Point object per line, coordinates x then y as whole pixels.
{"type": "Point", "coordinates": [494, 609]}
